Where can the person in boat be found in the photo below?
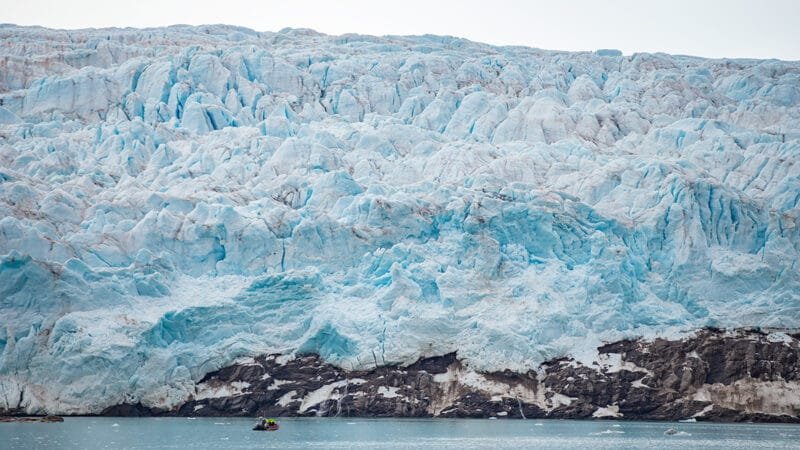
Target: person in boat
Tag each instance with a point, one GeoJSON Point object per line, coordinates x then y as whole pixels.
{"type": "Point", "coordinates": [266, 424]}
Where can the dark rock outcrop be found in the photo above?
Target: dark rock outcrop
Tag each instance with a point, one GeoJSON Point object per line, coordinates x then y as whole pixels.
{"type": "Point", "coordinates": [746, 375]}
{"type": "Point", "coordinates": [44, 419]}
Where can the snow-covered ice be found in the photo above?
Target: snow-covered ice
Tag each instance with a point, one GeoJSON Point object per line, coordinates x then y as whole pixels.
{"type": "Point", "coordinates": [173, 199]}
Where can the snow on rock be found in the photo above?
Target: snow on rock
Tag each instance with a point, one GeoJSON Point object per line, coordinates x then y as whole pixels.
{"type": "Point", "coordinates": [287, 398]}
{"type": "Point", "coordinates": [388, 392]}
{"type": "Point", "coordinates": [608, 411]}
{"type": "Point", "coordinates": [214, 391]}
{"type": "Point", "coordinates": [612, 363]}
{"type": "Point", "coordinates": [173, 199]}
{"type": "Point", "coordinates": [458, 380]}
{"type": "Point", "coordinates": [753, 396]}
{"type": "Point", "coordinates": [318, 396]}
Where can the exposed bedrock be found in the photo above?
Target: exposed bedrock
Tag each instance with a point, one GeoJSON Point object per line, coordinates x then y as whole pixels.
{"type": "Point", "coordinates": [713, 375]}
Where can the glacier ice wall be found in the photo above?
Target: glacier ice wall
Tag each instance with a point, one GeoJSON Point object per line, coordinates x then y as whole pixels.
{"type": "Point", "coordinates": [173, 199]}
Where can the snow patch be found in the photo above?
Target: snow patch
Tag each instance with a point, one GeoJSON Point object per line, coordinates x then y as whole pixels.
{"type": "Point", "coordinates": [608, 411]}
{"type": "Point", "coordinates": [613, 363]}
{"type": "Point", "coordinates": [753, 396]}
{"type": "Point", "coordinates": [287, 398]}
{"type": "Point", "coordinates": [276, 384]}
{"type": "Point", "coordinates": [704, 411]}
{"type": "Point", "coordinates": [218, 390]}
{"type": "Point", "coordinates": [389, 392]}
{"type": "Point", "coordinates": [320, 395]}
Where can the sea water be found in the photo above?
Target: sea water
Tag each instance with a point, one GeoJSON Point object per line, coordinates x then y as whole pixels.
{"type": "Point", "coordinates": [236, 433]}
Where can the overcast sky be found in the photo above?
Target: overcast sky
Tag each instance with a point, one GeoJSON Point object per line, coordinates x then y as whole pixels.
{"type": "Point", "coordinates": [714, 28]}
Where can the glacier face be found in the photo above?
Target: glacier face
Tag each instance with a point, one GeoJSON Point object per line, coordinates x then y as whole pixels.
{"type": "Point", "coordinates": [174, 199]}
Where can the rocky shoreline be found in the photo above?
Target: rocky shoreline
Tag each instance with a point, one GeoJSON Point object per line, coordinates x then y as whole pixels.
{"type": "Point", "coordinates": [28, 419]}
{"type": "Point", "coordinates": [715, 375]}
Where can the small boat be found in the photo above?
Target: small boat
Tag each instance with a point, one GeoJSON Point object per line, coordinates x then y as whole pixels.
{"type": "Point", "coordinates": [266, 425]}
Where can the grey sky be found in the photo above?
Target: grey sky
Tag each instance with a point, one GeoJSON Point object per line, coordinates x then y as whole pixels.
{"type": "Point", "coordinates": [714, 28]}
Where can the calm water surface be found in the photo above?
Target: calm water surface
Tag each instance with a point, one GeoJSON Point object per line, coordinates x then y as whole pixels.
{"type": "Point", "coordinates": [234, 433]}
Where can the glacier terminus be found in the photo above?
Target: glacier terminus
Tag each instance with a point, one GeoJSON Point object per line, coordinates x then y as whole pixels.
{"type": "Point", "coordinates": [176, 201]}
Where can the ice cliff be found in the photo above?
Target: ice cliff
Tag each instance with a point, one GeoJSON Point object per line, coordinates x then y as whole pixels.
{"type": "Point", "coordinates": [173, 199]}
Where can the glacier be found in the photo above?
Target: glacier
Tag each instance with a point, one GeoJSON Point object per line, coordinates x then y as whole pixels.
{"type": "Point", "coordinates": [173, 200]}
